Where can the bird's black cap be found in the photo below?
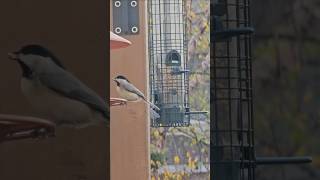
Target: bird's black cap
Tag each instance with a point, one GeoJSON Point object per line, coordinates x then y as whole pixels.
{"type": "Point", "coordinates": [121, 77]}
{"type": "Point", "coordinates": [35, 49]}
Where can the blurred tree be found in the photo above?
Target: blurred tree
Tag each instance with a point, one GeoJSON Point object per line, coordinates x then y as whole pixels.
{"type": "Point", "coordinates": [286, 84]}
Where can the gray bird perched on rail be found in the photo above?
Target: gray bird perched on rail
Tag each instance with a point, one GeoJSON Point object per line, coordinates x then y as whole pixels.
{"type": "Point", "coordinates": [129, 92]}
{"type": "Point", "coordinates": [55, 93]}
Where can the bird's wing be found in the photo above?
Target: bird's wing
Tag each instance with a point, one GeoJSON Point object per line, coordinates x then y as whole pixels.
{"type": "Point", "coordinates": [68, 85]}
{"type": "Point", "coordinates": [131, 88]}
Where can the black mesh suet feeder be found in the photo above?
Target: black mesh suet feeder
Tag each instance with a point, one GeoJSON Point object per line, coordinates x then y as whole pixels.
{"type": "Point", "coordinates": [169, 80]}
{"type": "Point", "coordinates": [231, 121]}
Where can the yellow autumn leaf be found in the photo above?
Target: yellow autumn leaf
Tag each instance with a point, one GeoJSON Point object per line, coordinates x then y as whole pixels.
{"type": "Point", "coordinates": [188, 154]}
{"type": "Point", "coordinates": [176, 159]}
{"type": "Point", "coordinates": [191, 163]}
{"type": "Point", "coordinates": [193, 142]}
{"type": "Point", "coordinates": [156, 133]}
{"type": "Point", "coordinates": [179, 177]}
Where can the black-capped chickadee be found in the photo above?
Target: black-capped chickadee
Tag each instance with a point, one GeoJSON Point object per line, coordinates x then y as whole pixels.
{"type": "Point", "coordinates": [56, 93]}
{"type": "Point", "coordinates": [129, 92]}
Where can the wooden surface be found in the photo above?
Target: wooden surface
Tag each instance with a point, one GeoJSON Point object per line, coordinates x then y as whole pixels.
{"type": "Point", "coordinates": [129, 124]}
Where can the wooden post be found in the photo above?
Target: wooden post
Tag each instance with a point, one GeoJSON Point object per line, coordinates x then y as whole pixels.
{"type": "Point", "coordinates": [130, 123]}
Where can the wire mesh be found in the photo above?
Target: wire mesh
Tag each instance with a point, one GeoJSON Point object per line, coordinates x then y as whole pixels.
{"type": "Point", "coordinates": [232, 141]}
{"type": "Point", "coordinates": [168, 62]}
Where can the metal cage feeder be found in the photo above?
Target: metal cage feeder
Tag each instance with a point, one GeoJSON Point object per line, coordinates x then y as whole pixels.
{"type": "Point", "coordinates": [232, 127]}
{"type": "Point", "coordinates": [168, 62]}
{"type": "Point", "coordinates": [231, 124]}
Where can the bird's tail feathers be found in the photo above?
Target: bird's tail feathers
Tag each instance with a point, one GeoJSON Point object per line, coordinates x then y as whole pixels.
{"type": "Point", "coordinates": [152, 105]}
{"type": "Point", "coordinates": [153, 114]}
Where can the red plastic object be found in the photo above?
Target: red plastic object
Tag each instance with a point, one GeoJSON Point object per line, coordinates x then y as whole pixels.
{"type": "Point", "coordinates": [13, 127]}
{"type": "Point", "coordinates": [117, 42]}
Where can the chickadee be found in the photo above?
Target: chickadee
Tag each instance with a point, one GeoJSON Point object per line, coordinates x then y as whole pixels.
{"type": "Point", "coordinates": [56, 93]}
{"type": "Point", "coordinates": [129, 92]}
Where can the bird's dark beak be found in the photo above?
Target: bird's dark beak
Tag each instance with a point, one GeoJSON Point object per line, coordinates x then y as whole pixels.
{"type": "Point", "coordinates": [114, 80]}
{"type": "Point", "coordinates": [13, 56]}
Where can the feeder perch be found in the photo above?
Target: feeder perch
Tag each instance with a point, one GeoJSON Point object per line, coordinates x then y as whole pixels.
{"type": "Point", "coordinates": [219, 33]}
{"type": "Point", "coordinates": [117, 102]}
{"type": "Point", "coordinates": [13, 127]}
{"type": "Point", "coordinates": [222, 31]}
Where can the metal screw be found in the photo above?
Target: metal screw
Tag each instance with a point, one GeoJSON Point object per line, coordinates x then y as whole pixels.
{"type": "Point", "coordinates": [117, 4]}
{"type": "Point", "coordinates": [134, 29]}
{"type": "Point", "coordinates": [133, 3]}
{"type": "Point", "coordinates": [118, 30]}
